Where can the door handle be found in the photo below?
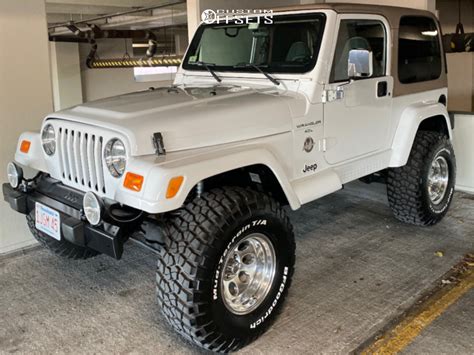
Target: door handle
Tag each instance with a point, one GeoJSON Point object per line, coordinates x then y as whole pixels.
{"type": "Point", "coordinates": [382, 88]}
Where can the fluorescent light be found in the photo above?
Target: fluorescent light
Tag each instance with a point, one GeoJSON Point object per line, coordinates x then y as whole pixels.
{"type": "Point", "coordinates": [140, 45]}
{"type": "Point", "coordinates": [430, 33]}
{"type": "Point", "coordinates": [144, 74]}
{"type": "Point", "coordinates": [155, 70]}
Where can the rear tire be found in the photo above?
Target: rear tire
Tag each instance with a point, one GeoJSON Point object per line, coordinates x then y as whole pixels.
{"type": "Point", "coordinates": [206, 246]}
{"type": "Point", "coordinates": [61, 248]}
{"type": "Point", "coordinates": [421, 192]}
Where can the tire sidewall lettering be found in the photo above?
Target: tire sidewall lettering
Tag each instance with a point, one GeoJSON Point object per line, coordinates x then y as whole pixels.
{"type": "Point", "coordinates": [275, 301]}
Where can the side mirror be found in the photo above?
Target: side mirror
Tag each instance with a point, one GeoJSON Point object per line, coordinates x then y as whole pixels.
{"type": "Point", "coordinates": [360, 64]}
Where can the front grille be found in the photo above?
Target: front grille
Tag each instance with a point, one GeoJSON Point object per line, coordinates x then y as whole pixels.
{"type": "Point", "coordinates": [80, 155]}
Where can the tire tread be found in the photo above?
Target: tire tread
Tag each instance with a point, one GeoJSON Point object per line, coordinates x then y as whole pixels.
{"type": "Point", "coordinates": [404, 184]}
{"type": "Point", "coordinates": [183, 268]}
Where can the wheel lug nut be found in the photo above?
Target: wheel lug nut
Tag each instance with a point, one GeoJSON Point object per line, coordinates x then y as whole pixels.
{"type": "Point", "coordinates": [233, 289]}
{"type": "Point", "coordinates": [248, 259]}
{"type": "Point", "coordinates": [243, 277]}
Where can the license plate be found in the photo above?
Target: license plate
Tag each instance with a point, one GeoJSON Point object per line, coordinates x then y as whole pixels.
{"type": "Point", "coordinates": [48, 221]}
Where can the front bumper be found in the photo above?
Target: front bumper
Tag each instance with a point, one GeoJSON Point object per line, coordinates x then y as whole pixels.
{"type": "Point", "coordinates": [105, 238]}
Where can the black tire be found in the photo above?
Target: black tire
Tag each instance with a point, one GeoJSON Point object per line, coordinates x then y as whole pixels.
{"type": "Point", "coordinates": [189, 266]}
{"type": "Point", "coordinates": [408, 188]}
{"type": "Point", "coordinates": [62, 248]}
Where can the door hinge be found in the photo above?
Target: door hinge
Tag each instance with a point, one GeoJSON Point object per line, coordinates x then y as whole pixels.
{"type": "Point", "coordinates": [333, 95]}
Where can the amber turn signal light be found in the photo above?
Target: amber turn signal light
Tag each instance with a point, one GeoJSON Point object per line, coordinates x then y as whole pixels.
{"type": "Point", "coordinates": [174, 186]}
{"type": "Point", "coordinates": [25, 146]}
{"type": "Point", "coordinates": [133, 182]}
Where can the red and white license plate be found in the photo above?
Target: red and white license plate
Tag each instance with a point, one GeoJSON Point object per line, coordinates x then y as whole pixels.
{"type": "Point", "coordinates": [48, 221]}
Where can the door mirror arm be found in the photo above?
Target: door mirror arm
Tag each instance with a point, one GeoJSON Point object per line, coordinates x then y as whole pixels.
{"type": "Point", "coordinates": [345, 83]}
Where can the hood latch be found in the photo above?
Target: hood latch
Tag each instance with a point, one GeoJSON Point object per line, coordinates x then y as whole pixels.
{"type": "Point", "coordinates": [158, 143]}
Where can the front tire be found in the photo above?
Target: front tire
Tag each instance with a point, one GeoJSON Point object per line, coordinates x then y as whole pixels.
{"type": "Point", "coordinates": [205, 284]}
{"type": "Point", "coordinates": [421, 192]}
{"type": "Point", "coordinates": [62, 248]}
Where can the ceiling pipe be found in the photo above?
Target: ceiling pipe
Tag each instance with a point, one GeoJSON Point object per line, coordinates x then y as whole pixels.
{"type": "Point", "coordinates": [83, 35]}
{"type": "Point", "coordinates": [97, 33]}
{"type": "Point", "coordinates": [93, 62]}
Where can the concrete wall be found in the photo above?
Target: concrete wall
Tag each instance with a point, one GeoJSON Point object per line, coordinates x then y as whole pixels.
{"type": "Point", "coordinates": [65, 74]}
{"type": "Point", "coordinates": [25, 95]}
{"type": "Point", "coordinates": [100, 83]}
{"type": "Point", "coordinates": [460, 65]}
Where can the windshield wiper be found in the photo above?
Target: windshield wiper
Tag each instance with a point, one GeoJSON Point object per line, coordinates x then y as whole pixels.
{"type": "Point", "coordinates": [209, 69]}
{"type": "Point", "coordinates": [258, 68]}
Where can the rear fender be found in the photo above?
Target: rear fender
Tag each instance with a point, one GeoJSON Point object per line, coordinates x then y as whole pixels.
{"type": "Point", "coordinates": [408, 126]}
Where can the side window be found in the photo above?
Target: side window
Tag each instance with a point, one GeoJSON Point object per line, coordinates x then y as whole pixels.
{"type": "Point", "coordinates": [419, 52]}
{"type": "Point", "coordinates": [359, 34]}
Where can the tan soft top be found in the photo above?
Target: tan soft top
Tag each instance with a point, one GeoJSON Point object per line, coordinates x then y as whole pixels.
{"type": "Point", "coordinates": [393, 15]}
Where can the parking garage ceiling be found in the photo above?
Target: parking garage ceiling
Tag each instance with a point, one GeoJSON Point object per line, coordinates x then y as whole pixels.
{"type": "Point", "coordinates": [114, 14]}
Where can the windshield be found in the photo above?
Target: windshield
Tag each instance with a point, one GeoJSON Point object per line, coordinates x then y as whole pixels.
{"type": "Point", "coordinates": [288, 45]}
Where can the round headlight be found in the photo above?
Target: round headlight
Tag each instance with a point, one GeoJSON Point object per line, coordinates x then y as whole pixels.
{"type": "Point", "coordinates": [92, 208]}
{"type": "Point", "coordinates": [15, 174]}
{"type": "Point", "coordinates": [115, 157]}
{"type": "Point", "coordinates": [48, 138]}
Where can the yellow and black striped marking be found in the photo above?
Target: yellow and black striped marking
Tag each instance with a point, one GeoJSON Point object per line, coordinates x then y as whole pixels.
{"type": "Point", "coordinates": [424, 312]}
{"type": "Point", "coordinates": [134, 62]}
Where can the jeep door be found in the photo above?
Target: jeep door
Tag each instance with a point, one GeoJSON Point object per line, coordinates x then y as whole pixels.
{"type": "Point", "coordinates": [357, 110]}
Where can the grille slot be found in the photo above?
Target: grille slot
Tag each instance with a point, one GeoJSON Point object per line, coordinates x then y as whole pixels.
{"type": "Point", "coordinates": [80, 157]}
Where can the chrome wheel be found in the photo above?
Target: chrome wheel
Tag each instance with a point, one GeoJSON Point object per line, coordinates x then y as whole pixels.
{"type": "Point", "coordinates": [248, 273]}
{"type": "Point", "coordinates": [438, 180]}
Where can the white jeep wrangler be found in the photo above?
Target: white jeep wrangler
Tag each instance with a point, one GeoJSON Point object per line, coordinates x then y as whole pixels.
{"type": "Point", "coordinates": [264, 112]}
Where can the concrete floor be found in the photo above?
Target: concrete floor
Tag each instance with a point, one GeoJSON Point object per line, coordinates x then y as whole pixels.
{"type": "Point", "coordinates": [357, 268]}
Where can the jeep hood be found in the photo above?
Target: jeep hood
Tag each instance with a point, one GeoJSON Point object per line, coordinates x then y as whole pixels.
{"type": "Point", "coordinates": [192, 117]}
